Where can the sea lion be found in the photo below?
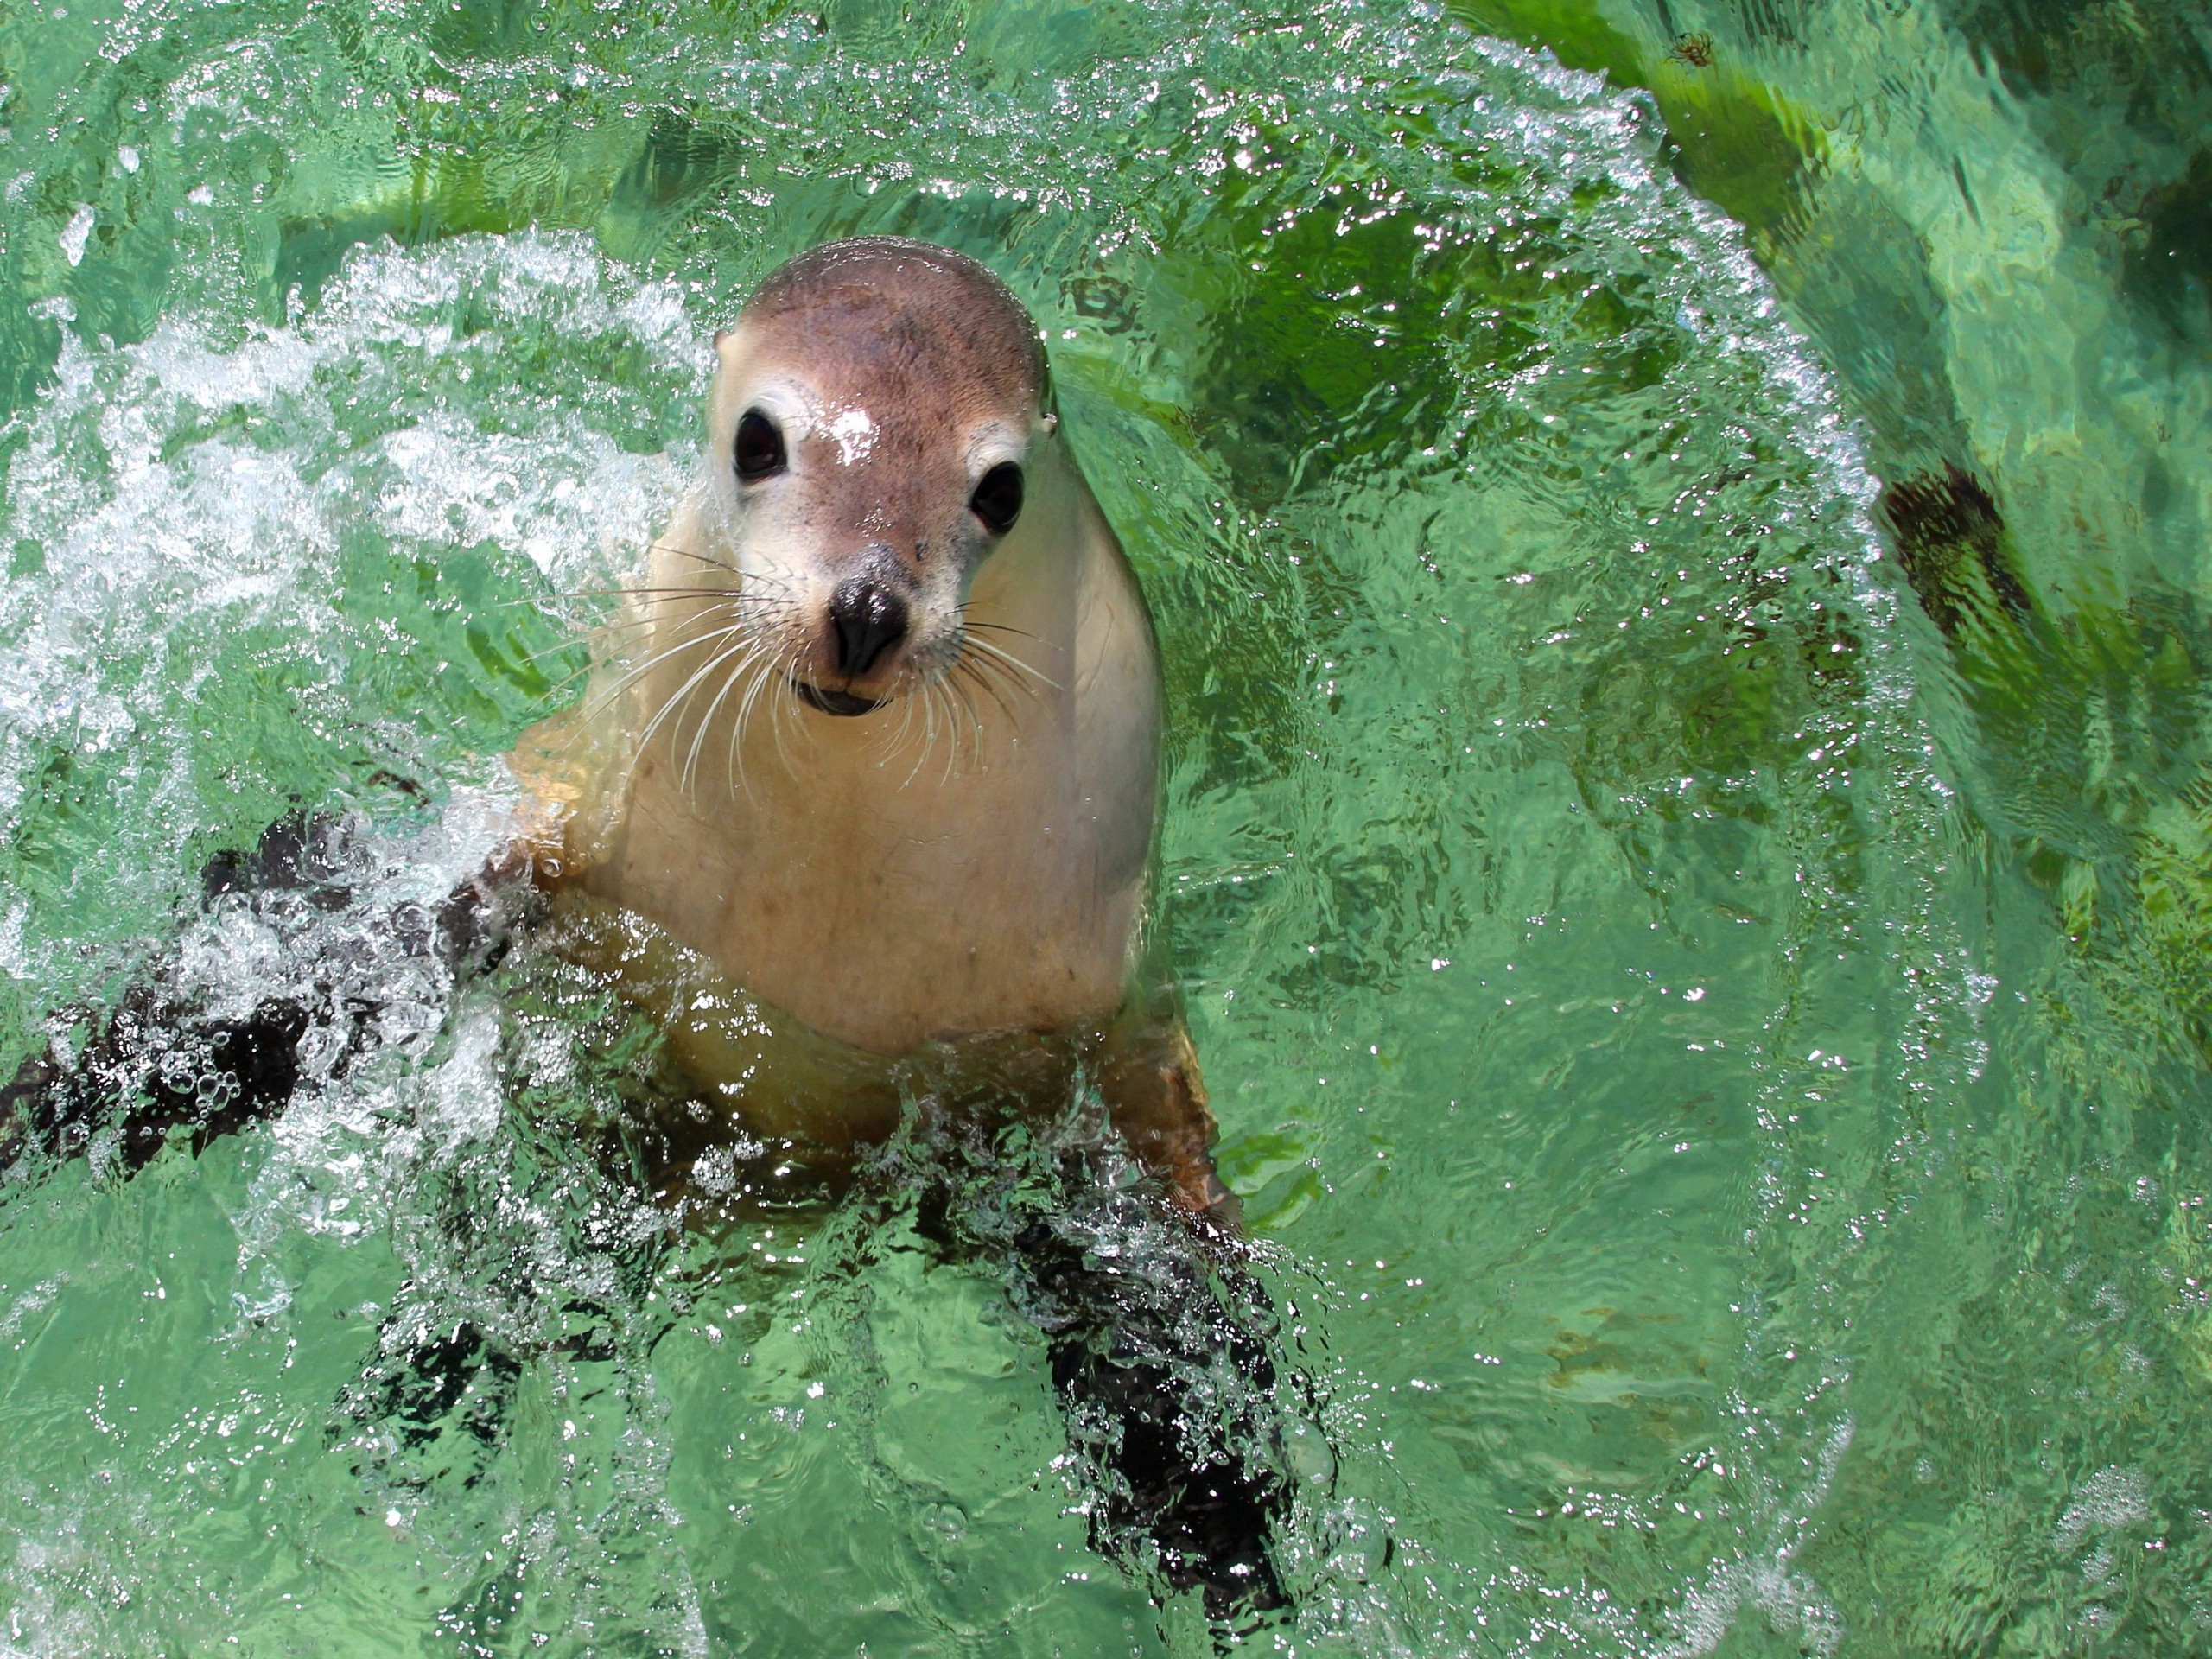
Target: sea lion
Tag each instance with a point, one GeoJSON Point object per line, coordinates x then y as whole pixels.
{"type": "Point", "coordinates": [862, 796]}
{"type": "Point", "coordinates": [873, 773]}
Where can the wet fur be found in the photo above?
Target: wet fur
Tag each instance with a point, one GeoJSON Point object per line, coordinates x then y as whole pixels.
{"type": "Point", "coordinates": [972, 859]}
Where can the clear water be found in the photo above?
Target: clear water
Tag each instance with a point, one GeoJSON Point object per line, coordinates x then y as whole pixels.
{"type": "Point", "coordinates": [1679, 533]}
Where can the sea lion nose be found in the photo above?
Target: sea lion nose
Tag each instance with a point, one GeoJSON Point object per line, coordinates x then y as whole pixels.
{"type": "Point", "coordinates": [870, 619]}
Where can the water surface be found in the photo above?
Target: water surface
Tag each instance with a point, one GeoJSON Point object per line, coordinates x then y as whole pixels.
{"type": "Point", "coordinates": [1678, 539]}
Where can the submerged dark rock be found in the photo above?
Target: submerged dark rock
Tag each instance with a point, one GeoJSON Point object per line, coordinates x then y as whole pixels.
{"type": "Point", "coordinates": [1950, 541]}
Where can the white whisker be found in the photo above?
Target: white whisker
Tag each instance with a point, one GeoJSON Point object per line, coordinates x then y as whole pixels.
{"type": "Point", "coordinates": [748, 650]}
{"type": "Point", "coordinates": [1000, 654]}
{"type": "Point", "coordinates": [787, 662]}
{"type": "Point", "coordinates": [762, 675]}
{"type": "Point", "coordinates": [606, 699]}
{"type": "Point", "coordinates": [929, 734]}
{"type": "Point", "coordinates": [894, 739]}
{"type": "Point", "coordinates": [967, 668]}
{"type": "Point", "coordinates": [942, 692]}
{"type": "Point", "coordinates": [975, 720]}
{"type": "Point", "coordinates": [683, 694]}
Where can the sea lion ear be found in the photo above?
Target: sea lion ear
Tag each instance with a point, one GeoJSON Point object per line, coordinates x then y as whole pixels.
{"type": "Point", "coordinates": [1048, 399]}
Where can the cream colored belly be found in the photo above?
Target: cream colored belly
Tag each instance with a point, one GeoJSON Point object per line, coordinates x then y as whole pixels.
{"type": "Point", "coordinates": [950, 915]}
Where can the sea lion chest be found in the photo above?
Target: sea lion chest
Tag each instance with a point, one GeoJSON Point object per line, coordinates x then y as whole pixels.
{"type": "Point", "coordinates": [889, 884]}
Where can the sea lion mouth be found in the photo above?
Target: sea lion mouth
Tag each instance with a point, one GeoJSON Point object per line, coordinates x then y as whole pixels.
{"type": "Point", "coordinates": [832, 703]}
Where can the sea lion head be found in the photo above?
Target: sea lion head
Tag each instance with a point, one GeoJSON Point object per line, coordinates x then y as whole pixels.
{"type": "Point", "coordinates": [874, 413]}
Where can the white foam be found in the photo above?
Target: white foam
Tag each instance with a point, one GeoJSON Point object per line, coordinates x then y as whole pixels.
{"type": "Point", "coordinates": [76, 233]}
{"type": "Point", "coordinates": [2111, 1498]}
{"type": "Point", "coordinates": [203, 482]}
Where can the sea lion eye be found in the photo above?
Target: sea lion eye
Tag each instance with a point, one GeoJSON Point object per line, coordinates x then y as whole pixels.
{"type": "Point", "coordinates": [997, 500]}
{"type": "Point", "coordinates": [759, 448]}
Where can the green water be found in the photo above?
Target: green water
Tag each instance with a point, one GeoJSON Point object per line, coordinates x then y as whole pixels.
{"type": "Point", "coordinates": [1701, 963]}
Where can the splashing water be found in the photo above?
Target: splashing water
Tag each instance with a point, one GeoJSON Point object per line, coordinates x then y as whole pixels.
{"type": "Point", "coordinates": [1695, 944]}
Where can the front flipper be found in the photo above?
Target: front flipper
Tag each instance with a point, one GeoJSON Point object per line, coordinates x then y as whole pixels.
{"type": "Point", "coordinates": [1148, 1073]}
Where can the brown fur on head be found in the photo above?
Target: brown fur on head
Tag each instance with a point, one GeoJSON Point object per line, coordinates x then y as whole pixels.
{"type": "Point", "coordinates": [868, 391]}
{"type": "Point", "coordinates": [925, 308]}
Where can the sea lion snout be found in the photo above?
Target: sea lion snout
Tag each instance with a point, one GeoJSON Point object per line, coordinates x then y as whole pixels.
{"type": "Point", "coordinates": [868, 618]}
{"type": "Point", "coordinates": [860, 634]}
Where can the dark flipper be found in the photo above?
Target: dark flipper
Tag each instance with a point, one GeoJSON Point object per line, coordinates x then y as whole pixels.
{"type": "Point", "coordinates": [158, 1063]}
{"type": "Point", "coordinates": [1148, 1076]}
{"type": "Point", "coordinates": [174, 1068]}
{"type": "Point", "coordinates": [1180, 1471]}
{"type": "Point", "coordinates": [299, 851]}
{"type": "Point", "coordinates": [1162, 1363]}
